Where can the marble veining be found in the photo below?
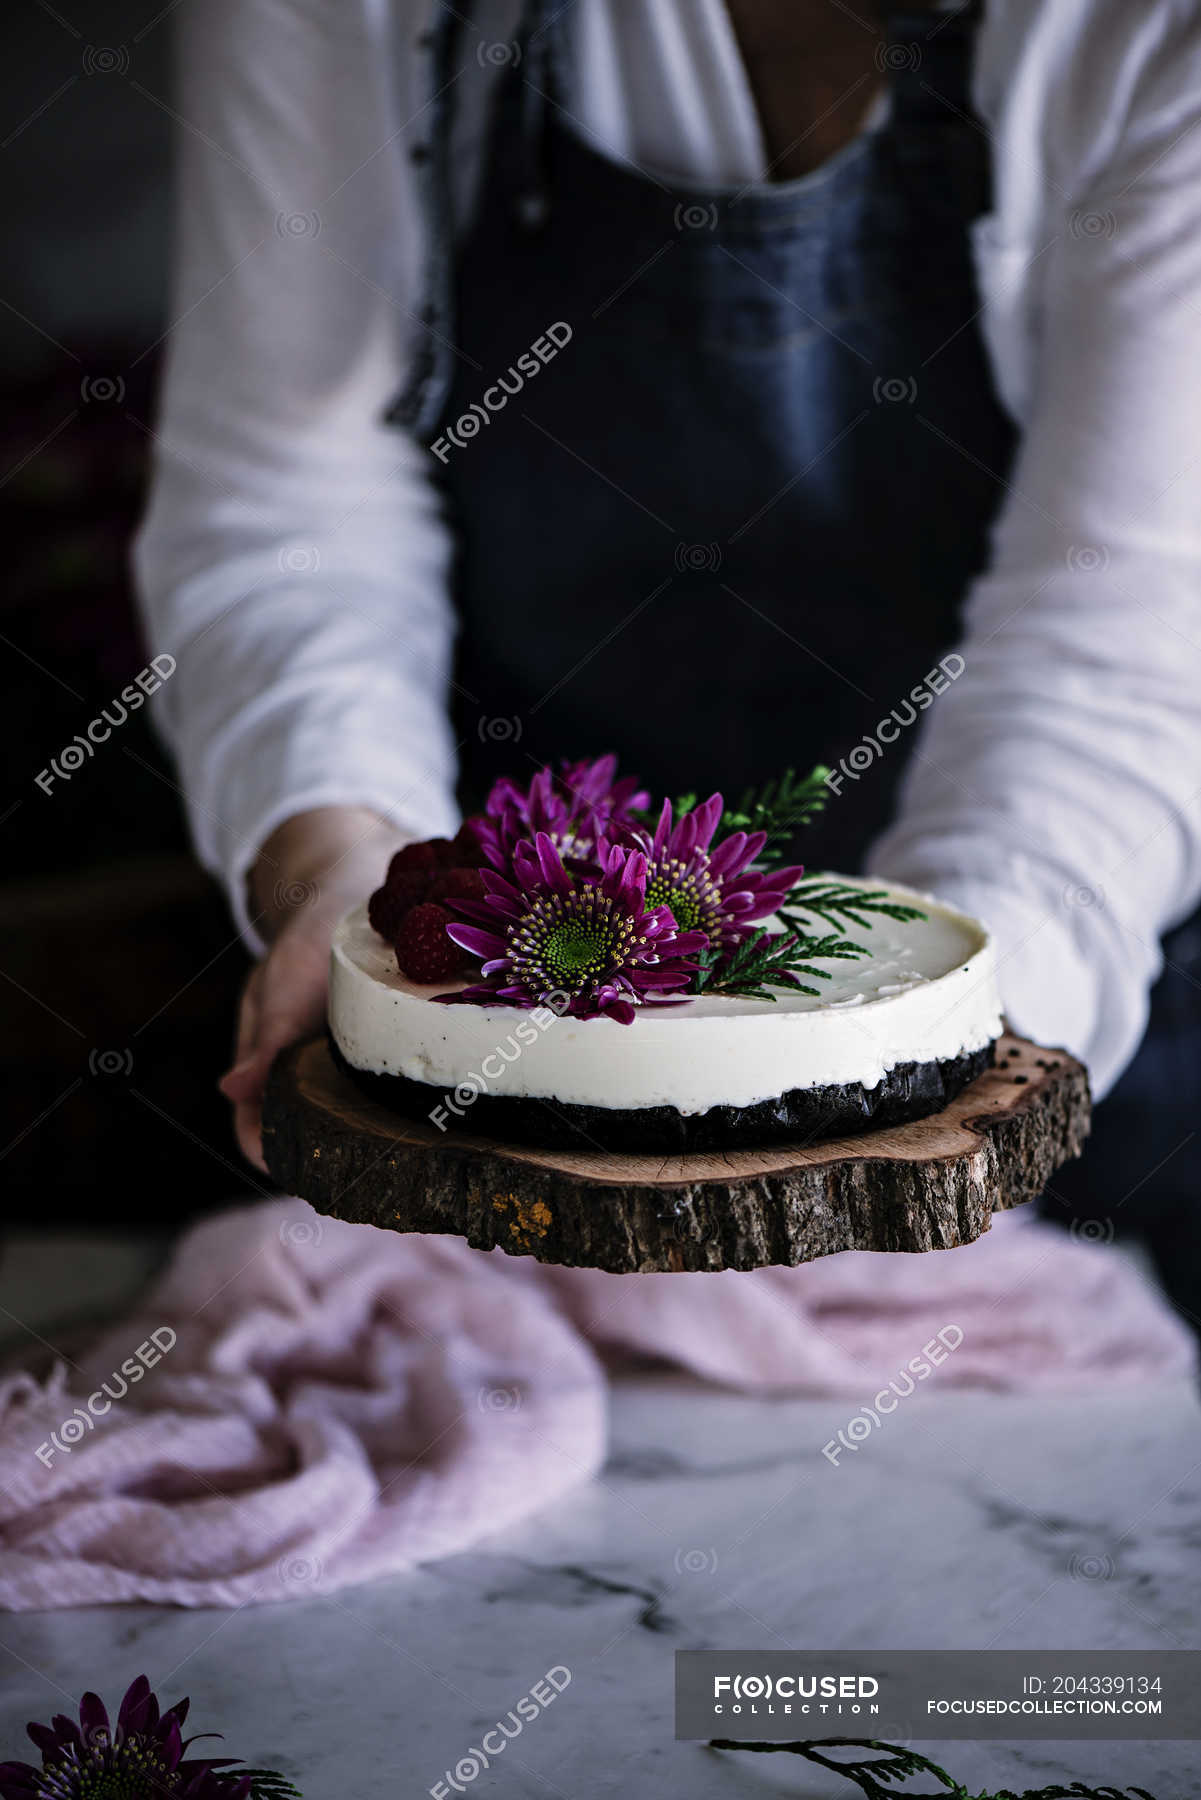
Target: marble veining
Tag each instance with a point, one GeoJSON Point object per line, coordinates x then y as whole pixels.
{"type": "Point", "coordinates": [969, 1520]}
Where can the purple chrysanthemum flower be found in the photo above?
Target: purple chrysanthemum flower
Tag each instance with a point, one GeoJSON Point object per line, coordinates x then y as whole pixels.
{"type": "Point", "coordinates": [139, 1758]}
{"type": "Point", "coordinates": [572, 808]}
{"type": "Point", "coordinates": [589, 941]}
{"type": "Point", "coordinates": [710, 887]}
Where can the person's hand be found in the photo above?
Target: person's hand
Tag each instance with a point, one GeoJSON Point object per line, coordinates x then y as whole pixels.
{"type": "Point", "coordinates": [310, 871]}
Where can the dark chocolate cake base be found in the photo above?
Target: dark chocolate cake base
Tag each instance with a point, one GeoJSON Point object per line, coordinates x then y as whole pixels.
{"type": "Point", "coordinates": [911, 1090]}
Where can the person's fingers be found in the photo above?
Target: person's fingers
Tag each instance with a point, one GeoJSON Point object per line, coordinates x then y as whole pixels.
{"type": "Point", "coordinates": [313, 868]}
{"type": "Point", "coordinates": [282, 999]}
{"type": "Point", "coordinates": [244, 1079]}
{"type": "Point", "coordinates": [248, 1014]}
{"type": "Point", "coordinates": [248, 1128]}
{"type": "Point", "coordinates": [246, 1084]}
{"type": "Point", "coordinates": [285, 1015]}
{"type": "Point", "coordinates": [289, 1004]}
{"type": "Point", "coordinates": [248, 1025]}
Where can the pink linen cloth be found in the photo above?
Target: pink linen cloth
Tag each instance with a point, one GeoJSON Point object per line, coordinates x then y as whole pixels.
{"type": "Point", "coordinates": [341, 1402]}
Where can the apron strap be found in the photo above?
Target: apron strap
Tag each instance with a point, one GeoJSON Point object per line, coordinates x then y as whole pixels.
{"type": "Point", "coordinates": [926, 55]}
{"type": "Point", "coordinates": [539, 55]}
{"type": "Point", "coordinates": [535, 53]}
{"type": "Point", "coordinates": [432, 349]}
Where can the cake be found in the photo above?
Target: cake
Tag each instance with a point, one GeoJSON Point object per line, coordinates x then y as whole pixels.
{"type": "Point", "coordinates": [576, 970]}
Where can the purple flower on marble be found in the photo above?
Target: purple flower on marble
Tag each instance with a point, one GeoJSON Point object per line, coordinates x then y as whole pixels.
{"type": "Point", "coordinates": [141, 1755]}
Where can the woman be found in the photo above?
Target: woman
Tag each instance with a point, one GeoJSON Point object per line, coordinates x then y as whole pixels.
{"type": "Point", "coordinates": [760, 383]}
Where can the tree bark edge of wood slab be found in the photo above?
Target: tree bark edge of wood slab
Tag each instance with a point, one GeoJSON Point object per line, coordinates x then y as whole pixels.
{"type": "Point", "coordinates": [929, 1185]}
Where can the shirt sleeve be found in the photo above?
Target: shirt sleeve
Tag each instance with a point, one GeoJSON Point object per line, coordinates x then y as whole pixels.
{"type": "Point", "coordinates": [1056, 785]}
{"type": "Point", "coordinates": [293, 559]}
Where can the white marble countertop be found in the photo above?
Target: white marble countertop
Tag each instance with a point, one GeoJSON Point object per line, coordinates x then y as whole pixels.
{"type": "Point", "coordinates": [967, 1521]}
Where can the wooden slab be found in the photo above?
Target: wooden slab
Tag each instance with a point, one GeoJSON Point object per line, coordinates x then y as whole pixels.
{"type": "Point", "coordinates": [924, 1186]}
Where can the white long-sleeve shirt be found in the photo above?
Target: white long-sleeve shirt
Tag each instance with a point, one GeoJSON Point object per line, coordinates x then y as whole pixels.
{"type": "Point", "coordinates": [295, 561]}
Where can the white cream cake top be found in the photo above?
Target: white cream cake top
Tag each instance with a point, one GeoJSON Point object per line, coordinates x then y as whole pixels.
{"type": "Point", "coordinates": [925, 991]}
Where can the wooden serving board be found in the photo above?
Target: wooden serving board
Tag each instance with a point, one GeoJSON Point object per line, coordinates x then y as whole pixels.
{"type": "Point", "coordinates": [928, 1185]}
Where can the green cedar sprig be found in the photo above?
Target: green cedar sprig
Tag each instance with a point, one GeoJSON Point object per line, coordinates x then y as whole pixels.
{"type": "Point", "coordinates": [268, 1784]}
{"type": "Point", "coordinates": [780, 959]}
{"type": "Point", "coordinates": [780, 807]}
{"type": "Point", "coordinates": [767, 960]}
{"type": "Point", "coordinates": [871, 1775]}
{"type": "Point", "coordinates": [837, 903]}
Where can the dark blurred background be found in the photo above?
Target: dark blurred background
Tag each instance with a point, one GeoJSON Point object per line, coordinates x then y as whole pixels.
{"type": "Point", "coordinates": [120, 965]}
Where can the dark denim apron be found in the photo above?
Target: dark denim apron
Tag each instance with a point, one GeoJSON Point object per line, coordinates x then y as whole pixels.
{"type": "Point", "coordinates": [726, 525]}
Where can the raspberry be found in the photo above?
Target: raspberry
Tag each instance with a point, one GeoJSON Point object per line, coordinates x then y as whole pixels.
{"type": "Point", "coordinates": [424, 953]}
{"type": "Point", "coordinates": [413, 856]}
{"type": "Point", "coordinates": [457, 884]}
{"type": "Point", "coordinates": [385, 911]}
{"type": "Point", "coordinates": [411, 885]}
{"type": "Point", "coordinates": [437, 869]}
{"type": "Point", "coordinates": [403, 890]}
{"type": "Point", "coordinates": [468, 854]}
